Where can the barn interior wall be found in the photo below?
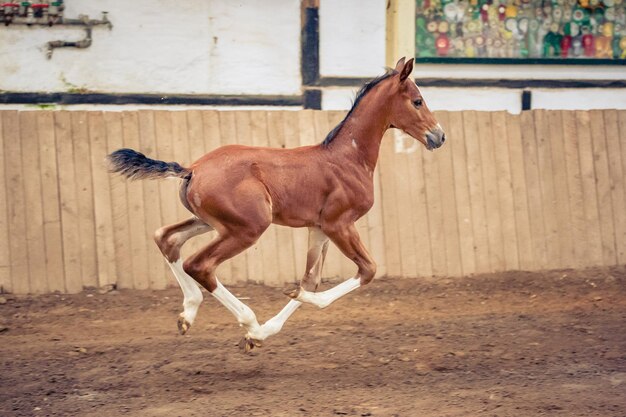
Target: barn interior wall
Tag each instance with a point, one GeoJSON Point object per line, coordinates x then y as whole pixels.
{"type": "Point", "coordinates": [225, 47]}
{"type": "Point", "coordinates": [156, 46]}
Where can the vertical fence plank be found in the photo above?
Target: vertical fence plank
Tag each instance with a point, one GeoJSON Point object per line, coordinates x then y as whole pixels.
{"type": "Point", "coordinates": [375, 223]}
{"type": "Point", "coordinates": [574, 188]}
{"type": "Point", "coordinates": [416, 239]}
{"type": "Point", "coordinates": [590, 201]}
{"type": "Point", "coordinates": [284, 244]}
{"type": "Point", "coordinates": [520, 193]}
{"type": "Point", "coordinates": [424, 207]}
{"type": "Point", "coordinates": [168, 189]}
{"type": "Point", "coordinates": [603, 187]}
{"type": "Point", "coordinates": [411, 208]}
{"type": "Point", "coordinates": [16, 207]}
{"type": "Point", "coordinates": [617, 182]}
{"type": "Point", "coordinates": [505, 190]}
{"type": "Point", "coordinates": [86, 220]}
{"type": "Point", "coordinates": [414, 229]}
{"type": "Point", "coordinates": [463, 213]}
{"type": "Point", "coordinates": [31, 168]}
{"type": "Point", "coordinates": [389, 206]}
{"type": "Point", "coordinates": [477, 197]}
{"type": "Point", "coordinates": [69, 202]}
{"type": "Point", "coordinates": [105, 245]}
{"type": "Point", "coordinates": [119, 205]}
{"type": "Point", "coordinates": [137, 210]}
{"type": "Point", "coordinates": [195, 125]}
{"type": "Point", "coordinates": [158, 276]}
{"type": "Point", "coordinates": [307, 129]}
{"type": "Point", "coordinates": [435, 216]}
{"type": "Point", "coordinates": [51, 203]}
{"type": "Point", "coordinates": [445, 172]}
{"type": "Point", "coordinates": [561, 193]}
{"type": "Point", "coordinates": [546, 185]}
{"type": "Point", "coordinates": [533, 187]}
{"type": "Point", "coordinates": [621, 121]}
{"type": "Point", "coordinates": [34, 206]}
{"type": "Point", "coordinates": [229, 135]}
{"type": "Point", "coordinates": [5, 235]}
{"type": "Point", "coordinates": [213, 133]}
{"type": "Point", "coordinates": [490, 187]}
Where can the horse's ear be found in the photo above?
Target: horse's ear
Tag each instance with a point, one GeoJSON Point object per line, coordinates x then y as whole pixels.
{"type": "Point", "coordinates": [400, 64]}
{"type": "Point", "coordinates": [407, 70]}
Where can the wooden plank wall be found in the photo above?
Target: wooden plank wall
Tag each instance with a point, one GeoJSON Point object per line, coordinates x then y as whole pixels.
{"type": "Point", "coordinates": [544, 189]}
{"type": "Point", "coordinates": [540, 190]}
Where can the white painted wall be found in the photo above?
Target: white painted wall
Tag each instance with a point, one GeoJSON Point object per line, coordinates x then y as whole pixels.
{"type": "Point", "coordinates": [352, 38]}
{"type": "Point", "coordinates": [160, 46]}
{"type": "Point", "coordinates": [255, 46]}
{"type": "Point", "coordinates": [588, 98]}
{"type": "Point", "coordinates": [521, 72]}
{"type": "Point", "coordinates": [450, 99]}
{"type": "Point", "coordinates": [496, 99]}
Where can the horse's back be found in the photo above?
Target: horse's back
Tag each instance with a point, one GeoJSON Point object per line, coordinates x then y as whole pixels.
{"type": "Point", "coordinates": [291, 179]}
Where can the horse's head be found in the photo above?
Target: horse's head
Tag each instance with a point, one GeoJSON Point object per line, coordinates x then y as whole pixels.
{"type": "Point", "coordinates": [408, 110]}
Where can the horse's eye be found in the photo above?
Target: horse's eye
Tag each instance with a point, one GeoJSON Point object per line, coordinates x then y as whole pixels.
{"type": "Point", "coordinates": [418, 102]}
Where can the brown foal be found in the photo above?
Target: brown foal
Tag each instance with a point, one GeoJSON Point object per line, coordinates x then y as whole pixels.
{"type": "Point", "coordinates": [240, 190]}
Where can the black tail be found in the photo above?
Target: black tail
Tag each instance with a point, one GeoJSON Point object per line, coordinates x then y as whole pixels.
{"type": "Point", "coordinates": [137, 166]}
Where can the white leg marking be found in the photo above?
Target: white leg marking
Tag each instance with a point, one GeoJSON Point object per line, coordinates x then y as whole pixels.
{"type": "Point", "coordinates": [325, 298]}
{"type": "Point", "coordinates": [273, 325]}
{"type": "Point", "coordinates": [246, 317]}
{"type": "Point", "coordinates": [191, 292]}
{"type": "Point", "coordinates": [244, 314]}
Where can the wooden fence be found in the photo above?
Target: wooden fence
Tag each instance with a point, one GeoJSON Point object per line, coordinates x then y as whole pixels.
{"type": "Point", "coordinates": [544, 189]}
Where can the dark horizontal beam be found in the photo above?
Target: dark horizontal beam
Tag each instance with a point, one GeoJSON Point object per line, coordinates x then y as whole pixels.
{"type": "Point", "coordinates": [468, 82]}
{"type": "Point", "coordinates": [520, 61]}
{"type": "Point", "coordinates": [177, 99]}
{"type": "Point", "coordinates": [8, 97]}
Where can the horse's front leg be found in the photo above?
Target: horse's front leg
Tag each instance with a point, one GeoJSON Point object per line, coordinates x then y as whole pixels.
{"type": "Point", "coordinates": [348, 241]}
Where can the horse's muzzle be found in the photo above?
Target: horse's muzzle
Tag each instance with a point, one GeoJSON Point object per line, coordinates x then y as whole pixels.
{"type": "Point", "coordinates": [435, 138]}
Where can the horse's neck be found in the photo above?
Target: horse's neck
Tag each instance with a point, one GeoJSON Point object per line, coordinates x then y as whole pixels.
{"type": "Point", "coordinates": [361, 135]}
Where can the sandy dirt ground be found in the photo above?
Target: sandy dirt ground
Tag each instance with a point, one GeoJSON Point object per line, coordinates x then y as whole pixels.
{"type": "Point", "coordinates": [509, 344]}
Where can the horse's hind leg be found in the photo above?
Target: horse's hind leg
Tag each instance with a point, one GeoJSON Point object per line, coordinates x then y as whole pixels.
{"type": "Point", "coordinates": [170, 239]}
{"type": "Point", "coordinates": [318, 246]}
{"type": "Point", "coordinates": [202, 265]}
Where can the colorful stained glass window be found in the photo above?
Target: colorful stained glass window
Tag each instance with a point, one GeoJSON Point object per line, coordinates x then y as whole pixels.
{"type": "Point", "coordinates": [521, 29]}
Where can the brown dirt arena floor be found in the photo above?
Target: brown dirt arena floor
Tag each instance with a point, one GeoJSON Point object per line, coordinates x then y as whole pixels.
{"type": "Point", "coordinates": [509, 344]}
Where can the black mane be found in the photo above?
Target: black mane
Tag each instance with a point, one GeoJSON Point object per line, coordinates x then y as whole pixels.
{"type": "Point", "coordinates": [364, 90]}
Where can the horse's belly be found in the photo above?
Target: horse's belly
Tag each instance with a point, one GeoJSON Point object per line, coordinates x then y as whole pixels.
{"type": "Point", "coordinates": [296, 215]}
